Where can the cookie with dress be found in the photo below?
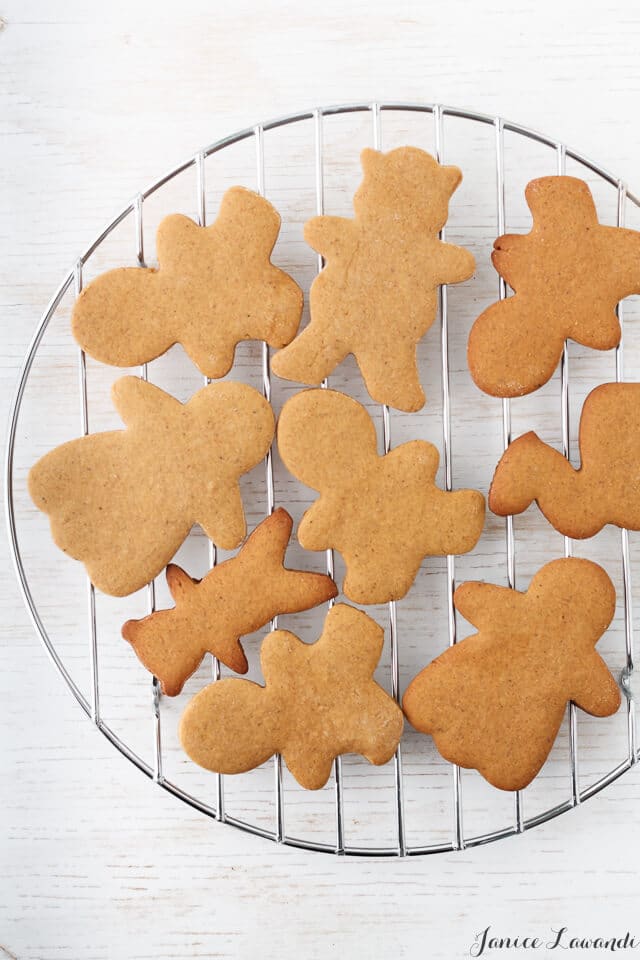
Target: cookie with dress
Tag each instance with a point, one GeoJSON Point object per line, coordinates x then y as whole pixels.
{"type": "Point", "coordinates": [494, 702]}
{"type": "Point", "coordinates": [123, 501]}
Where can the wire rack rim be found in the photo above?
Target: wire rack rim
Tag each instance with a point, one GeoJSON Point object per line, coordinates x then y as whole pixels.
{"type": "Point", "coordinates": [316, 114]}
{"type": "Point", "coordinates": [368, 107]}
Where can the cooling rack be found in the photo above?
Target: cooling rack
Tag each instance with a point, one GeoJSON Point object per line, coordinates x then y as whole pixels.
{"type": "Point", "coordinates": [210, 794]}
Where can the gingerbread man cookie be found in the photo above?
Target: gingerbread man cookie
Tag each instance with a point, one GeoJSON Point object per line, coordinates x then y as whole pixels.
{"type": "Point", "coordinates": [605, 489]}
{"type": "Point", "coordinates": [214, 287]}
{"type": "Point", "coordinates": [495, 701]}
{"type": "Point", "coordinates": [235, 598]}
{"type": "Point", "coordinates": [122, 502]}
{"type": "Point", "coordinates": [319, 701]}
{"type": "Point", "coordinates": [377, 296]}
{"type": "Point", "coordinates": [384, 514]}
{"type": "Point", "coordinates": [568, 274]}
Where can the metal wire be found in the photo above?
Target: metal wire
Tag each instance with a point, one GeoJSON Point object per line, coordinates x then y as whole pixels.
{"type": "Point", "coordinates": [266, 392]}
{"type": "Point", "coordinates": [567, 543]}
{"type": "Point", "coordinates": [91, 705]}
{"type": "Point", "coordinates": [393, 626]}
{"type": "Point", "coordinates": [506, 408]}
{"type": "Point", "coordinates": [91, 592]}
{"type": "Point", "coordinates": [458, 827]}
{"type": "Point", "coordinates": [330, 559]}
{"type": "Point", "coordinates": [624, 535]}
{"type": "Point", "coordinates": [156, 692]}
{"type": "Point", "coordinates": [201, 203]}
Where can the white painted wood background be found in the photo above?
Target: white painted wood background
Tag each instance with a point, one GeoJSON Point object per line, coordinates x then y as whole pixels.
{"type": "Point", "coordinates": [97, 101]}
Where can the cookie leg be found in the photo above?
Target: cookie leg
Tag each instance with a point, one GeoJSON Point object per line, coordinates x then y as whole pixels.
{"type": "Point", "coordinates": [392, 377]}
{"type": "Point", "coordinates": [222, 518]}
{"type": "Point", "coordinates": [379, 581]}
{"type": "Point", "coordinates": [309, 763]}
{"type": "Point", "coordinates": [310, 357]}
{"type": "Point", "coordinates": [212, 356]}
{"type": "Point", "coordinates": [598, 329]}
{"type": "Point", "coordinates": [594, 689]}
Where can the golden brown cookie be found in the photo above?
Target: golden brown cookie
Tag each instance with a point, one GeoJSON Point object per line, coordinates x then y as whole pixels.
{"type": "Point", "coordinates": [214, 287]}
{"type": "Point", "coordinates": [377, 296]}
{"type": "Point", "coordinates": [122, 502]}
{"type": "Point", "coordinates": [495, 701]}
{"type": "Point", "coordinates": [319, 701]}
{"type": "Point", "coordinates": [384, 514]}
{"type": "Point", "coordinates": [568, 274]}
{"type": "Point", "coordinates": [235, 598]}
{"type": "Point", "coordinates": [605, 489]}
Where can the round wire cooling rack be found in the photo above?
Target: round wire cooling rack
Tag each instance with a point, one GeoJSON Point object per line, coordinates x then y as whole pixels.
{"type": "Point", "coordinates": [427, 802]}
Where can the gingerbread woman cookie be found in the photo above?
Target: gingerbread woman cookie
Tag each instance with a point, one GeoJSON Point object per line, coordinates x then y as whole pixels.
{"type": "Point", "coordinates": [214, 287]}
{"type": "Point", "coordinates": [377, 296]}
{"type": "Point", "coordinates": [495, 701]}
{"type": "Point", "coordinates": [319, 701]}
{"type": "Point", "coordinates": [568, 274]}
{"type": "Point", "coordinates": [605, 489]}
{"type": "Point", "coordinates": [384, 514]}
{"type": "Point", "coordinates": [235, 598]}
{"type": "Point", "coordinates": [122, 502]}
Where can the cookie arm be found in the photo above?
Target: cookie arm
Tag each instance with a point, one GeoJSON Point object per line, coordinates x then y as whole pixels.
{"type": "Point", "coordinates": [222, 518]}
{"type": "Point", "coordinates": [509, 250]}
{"type": "Point", "coordinates": [176, 240]}
{"type": "Point", "coordinates": [138, 401]}
{"type": "Point", "coordinates": [352, 639]}
{"type": "Point", "coordinates": [248, 221]}
{"type": "Point", "coordinates": [594, 689]}
{"type": "Point", "coordinates": [181, 585]}
{"type": "Point", "coordinates": [626, 250]}
{"type": "Point", "coordinates": [484, 604]}
{"type": "Point", "coordinates": [455, 263]}
{"type": "Point", "coordinates": [332, 237]}
{"type": "Point", "coordinates": [314, 530]}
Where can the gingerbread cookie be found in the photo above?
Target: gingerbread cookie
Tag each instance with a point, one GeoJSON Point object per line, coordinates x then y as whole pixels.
{"type": "Point", "coordinates": [319, 701]}
{"type": "Point", "coordinates": [122, 502]}
{"type": "Point", "coordinates": [377, 296]}
{"type": "Point", "coordinates": [568, 274]}
{"type": "Point", "coordinates": [214, 287]}
{"type": "Point", "coordinates": [605, 489]}
{"type": "Point", "coordinates": [235, 598]}
{"type": "Point", "coordinates": [384, 514]}
{"type": "Point", "coordinates": [495, 701]}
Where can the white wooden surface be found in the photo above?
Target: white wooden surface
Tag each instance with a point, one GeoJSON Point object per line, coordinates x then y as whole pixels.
{"type": "Point", "coordinates": [97, 100]}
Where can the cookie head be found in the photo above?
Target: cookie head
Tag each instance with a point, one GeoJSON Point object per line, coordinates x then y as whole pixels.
{"type": "Point", "coordinates": [405, 183]}
{"type": "Point", "coordinates": [234, 420]}
{"type": "Point", "coordinates": [321, 433]}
